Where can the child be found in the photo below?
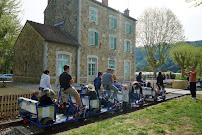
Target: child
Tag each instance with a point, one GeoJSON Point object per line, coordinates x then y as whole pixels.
{"type": "Point", "coordinates": [125, 97]}
{"type": "Point", "coordinates": [97, 82]}
{"type": "Point", "coordinates": [36, 96]}
{"type": "Point", "coordinates": [91, 92]}
{"type": "Point", "coordinates": [45, 99]}
{"type": "Point", "coordinates": [149, 85]}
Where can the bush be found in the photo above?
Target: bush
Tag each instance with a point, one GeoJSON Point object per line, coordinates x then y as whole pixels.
{"type": "Point", "coordinates": [172, 76]}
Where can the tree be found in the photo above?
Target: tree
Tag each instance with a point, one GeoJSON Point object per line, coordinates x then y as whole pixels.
{"type": "Point", "coordinates": [9, 30]}
{"type": "Point", "coordinates": [186, 55]}
{"type": "Point", "coordinates": [157, 29]}
{"type": "Point", "coordinates": [196, 2]}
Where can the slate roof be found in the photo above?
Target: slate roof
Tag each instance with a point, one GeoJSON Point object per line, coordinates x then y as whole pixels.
{"type": "Point", "coordinates": [53, 34]}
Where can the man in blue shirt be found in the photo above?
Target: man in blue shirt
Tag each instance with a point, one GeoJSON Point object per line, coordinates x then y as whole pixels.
{"type": "Point", "coordinates": [139, 77]}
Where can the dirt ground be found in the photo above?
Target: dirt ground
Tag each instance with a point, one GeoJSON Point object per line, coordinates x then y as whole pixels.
{"type": "Point", "coordinates": [10, 90]}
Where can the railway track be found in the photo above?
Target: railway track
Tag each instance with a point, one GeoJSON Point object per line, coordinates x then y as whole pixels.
{"type": "Point", "coordinates": [29, 128]}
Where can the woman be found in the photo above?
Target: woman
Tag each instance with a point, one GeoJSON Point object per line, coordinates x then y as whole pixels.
{"type": "Point", "coordinates": [160, 79]}
{"type": "Point", "coordinates": [45, 83]}
{"type": "Point", "coordinates": [97, 82]}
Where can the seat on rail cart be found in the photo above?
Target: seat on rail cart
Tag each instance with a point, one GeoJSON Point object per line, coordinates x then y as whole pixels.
{"type": "Point", "coordinates": [29, 107]}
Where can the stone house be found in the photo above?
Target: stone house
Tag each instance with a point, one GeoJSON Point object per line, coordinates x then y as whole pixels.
{"type": "Point", "coordinates": [86, 34]}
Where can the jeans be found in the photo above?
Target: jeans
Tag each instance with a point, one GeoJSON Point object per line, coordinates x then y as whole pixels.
{"type": "Point", "coordinates": [109, 88]}
{"type": "Point", "coordinates": [193, 89]}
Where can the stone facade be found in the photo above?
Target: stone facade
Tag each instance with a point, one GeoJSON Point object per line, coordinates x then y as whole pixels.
{"type": "Point", "coordinates": [33, 54]}
{"type": "Point", "coordinates": [28, 56]}
{"type": "Point", "coordinates": [75, 15]}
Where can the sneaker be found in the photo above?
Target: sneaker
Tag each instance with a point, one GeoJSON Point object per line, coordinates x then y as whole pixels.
{"type": "Point", "coordinates": [192, 97]}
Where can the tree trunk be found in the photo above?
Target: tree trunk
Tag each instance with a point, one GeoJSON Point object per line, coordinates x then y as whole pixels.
{"type": "Point", "coordinates": [182, 73]}
{"type": "Point", "coordinates": [155, 70]}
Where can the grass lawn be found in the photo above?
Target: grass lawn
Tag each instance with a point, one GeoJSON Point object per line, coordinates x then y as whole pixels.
{"type": "Point", "coordinates": [181, 116]}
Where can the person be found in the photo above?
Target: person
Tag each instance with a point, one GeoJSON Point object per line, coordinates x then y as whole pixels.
{"type": "Point", "coordinates": [65, 85]}
{"type": "Point", "coordinates": [136, 85]}
{"type": "Point", "coordinates": [35, 96]}
{"type": "Point", "coordinates": [139, 77]}
{"type": "Point", "coordinates": [97, 82]}
{"type": "Point", "coordinates": [45, 99]}
{"type": "Point", "coordinates": [91, 92]}
{"type": "Point", "coordinates": [107, 79]}
{"type": "Point", "coordinates": [149, 85]}
{"type": "Point", "coordinates": [192, 80]}
{"type": "Point", "coordinates": [45, 82]}
{"type": "Point", "coordinates": [114, 76]}
{"type": "Point", "coordinates": [159, 83]}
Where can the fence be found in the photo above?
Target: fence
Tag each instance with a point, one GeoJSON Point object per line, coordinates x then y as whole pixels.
{"type": "Point", "coordinates": [9, 103]}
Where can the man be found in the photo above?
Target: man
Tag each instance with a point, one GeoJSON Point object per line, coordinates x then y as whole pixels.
{"type": "Point", "coordinates": [65, 84]}
{"type": "Point", "coordinates": [192, 80]}
{"type": "Point", "coordinates": [107, 79]}
{"type": "Point", "coordinates": [139, 77]}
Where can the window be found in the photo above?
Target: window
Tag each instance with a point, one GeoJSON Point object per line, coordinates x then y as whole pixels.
{"type": "Point", "coordinates": [62, 60]}
{"type": "Point", "coordinates": [127, 69]}
{"type": "Point", "coordinates": [112, 42]}
{"type": "Point", "coordinates": [112, 22]}
{"type": "Point", "coordinates": [128, 28]}
{"type": "Point", "coordinates": [92, 66]}
{"type": "Point", "coordinates": [93, 15]}
{"type": "Point", "coordinates": [128, 46]}
{"type": "Point", "coordinates": [93, 37]}
{"type": "Point", "coordinates": [25, 66]}
{"type": "Point", "coordinates": [112, 64]}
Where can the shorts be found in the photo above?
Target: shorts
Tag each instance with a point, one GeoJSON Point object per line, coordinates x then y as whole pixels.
{"type": "Point", "coordinates": [71, 90]}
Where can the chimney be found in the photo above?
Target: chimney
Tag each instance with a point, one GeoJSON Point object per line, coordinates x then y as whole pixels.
{"type": "Point", "coordinates": [126, 12]}
{"type": "Point", "coordinates": [49, 1]}
{"type": "Point", "coordinates": [105, 2]}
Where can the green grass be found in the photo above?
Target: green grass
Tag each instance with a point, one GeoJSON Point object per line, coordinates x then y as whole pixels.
{"type": "Point", "coordinates": [182, 115]}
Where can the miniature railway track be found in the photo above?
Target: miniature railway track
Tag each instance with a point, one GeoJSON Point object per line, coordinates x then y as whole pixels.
{"type": "Point", "coordinates": [75, 124]}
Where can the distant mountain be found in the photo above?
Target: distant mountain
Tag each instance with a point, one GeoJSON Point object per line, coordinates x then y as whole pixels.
{"type": "Point", "coordinates": [195, 43]}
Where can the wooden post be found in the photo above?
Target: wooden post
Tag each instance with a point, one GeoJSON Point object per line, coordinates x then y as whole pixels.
{"type": "Point", "coordinates": [2, 105]}
{"type": "Point", "coordinates": [11, 106]}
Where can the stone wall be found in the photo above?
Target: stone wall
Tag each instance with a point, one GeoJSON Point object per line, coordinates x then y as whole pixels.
{"type": "Point", "coordinates": [28, 56]}
{"type": "Point", "coordinates": [63, 10]}
{"type": "Point", "coordinates": [102, 51]}
{"type": "Point", "coordinates": [52, 50]}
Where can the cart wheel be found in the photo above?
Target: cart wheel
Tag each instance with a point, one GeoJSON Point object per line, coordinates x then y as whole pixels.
{"type": "Point", "coordinates": [47, 121]}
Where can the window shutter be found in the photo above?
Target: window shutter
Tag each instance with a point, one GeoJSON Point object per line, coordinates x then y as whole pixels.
{"type": "Point", "coordinates": [125, 46]}
{"type": "Point", "coordinates": [96, 38]}
{"type": "Point", "coordinates": [131, 48]}
{"type": "Point", "coordinates": [91, 15]}
{"type": "Point", "coordinates": [115, 43]}
{"type": "Point", "coordinates": [95, 15]}
{"type": "Point", "coordinates": [130, 28]}
{"type": "Point", "coordinates": [115, 23]}
{"type": "Point", "coordinates": [126, 27]}
{"type": "Point", "coordinates": [111, 22]}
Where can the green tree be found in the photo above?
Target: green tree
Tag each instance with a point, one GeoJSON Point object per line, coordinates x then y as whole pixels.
{"type": "Point", "coordinates": [186, 55]}
{"type": "Point", "coordinates": [157, 29]}
{"type": "Point", "coordinates": [9, 30]}
{"type": "Point", "coordinates": [196, 3]}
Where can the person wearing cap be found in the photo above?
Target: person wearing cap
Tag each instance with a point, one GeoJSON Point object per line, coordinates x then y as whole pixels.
{"type": "Point", "coordinates": [45, 98]}
{"type": "Point", "coordinates": [45, 82]}
{"type": "Point", "coordinates": [192, 80]}
{"type": "Point", "coordinates": [65, 85]}
{"type": "Point", "coordinates": [107, 79]}
{"type": "Point", "coordinates": [91, 92]}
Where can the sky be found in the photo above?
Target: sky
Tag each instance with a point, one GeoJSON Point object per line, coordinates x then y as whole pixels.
{"type": "Point", "coordinates": [189, 16]}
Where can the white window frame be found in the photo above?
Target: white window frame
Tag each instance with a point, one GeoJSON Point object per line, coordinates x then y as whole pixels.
{"type": "Point", "coordinates": [94, 57]}
{"type": "Point", "coordinates": [130, 46]}
{"type": "Point", "coordinates": [89, 37]}
{"type": "Point", "coordinates": [110, 47]}
{"type": "Point", "coordinates": [96, 17]}
{"type": "Point", "coordinates": [125, 61]}
{"type": "Point", "coordinates": [113, 27]}
{"type": "Point", "coordinates": [69, 60]}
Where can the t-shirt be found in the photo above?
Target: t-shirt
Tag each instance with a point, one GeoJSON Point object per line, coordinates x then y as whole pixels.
{"type": "Point", "coordinates": [107, 78]}
{"type": "Point", "coordinates": [139, 78]}
{"type": "Point", "coordinates": [64, 80]}
{"type": "Point", "coordinates": [45, 100]}
{"type": "Point", "coordinates": [160, 80]}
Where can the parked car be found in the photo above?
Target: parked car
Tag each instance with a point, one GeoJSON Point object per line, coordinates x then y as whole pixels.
{"type": "Point", "coordinates": [7, 77]}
